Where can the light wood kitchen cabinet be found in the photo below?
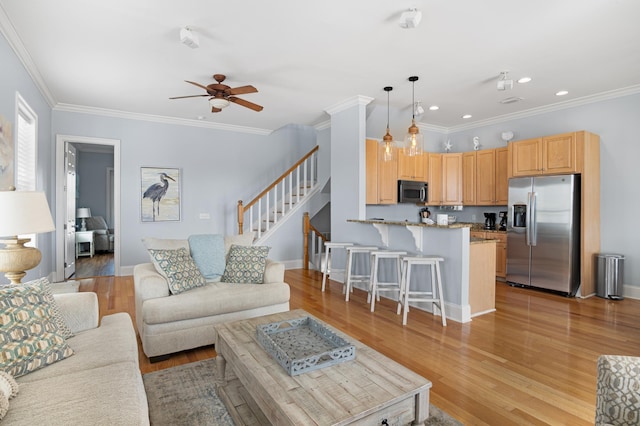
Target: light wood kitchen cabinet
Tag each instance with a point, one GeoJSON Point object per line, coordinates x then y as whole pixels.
{"type": "Point", "coordinates": [549, 155]}
{"type": "Point", "coordinates": [482, 282]}
{"type": "Point", "coordinates": [381, 176]}
{"type": "Point", "coordinates": [412, 168]}
{"type": "Point", "coordinates": [435, 179]}
{"type": "Point", "coordinates": [501, 250]}
{"type": "Point", "coordinates": [469, 178]}
{"type": "Point", "coordinates": [486, 177]}
{"type": "Point", "coordinates": [452, 179]}
{"type": "Point", "coordinates": [502, 177]}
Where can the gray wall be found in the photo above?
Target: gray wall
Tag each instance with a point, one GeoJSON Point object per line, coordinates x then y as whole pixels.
{"type": "Point", "coordinates": [91, 173]}
{"type": "Point", "coordinates": [16, 79]}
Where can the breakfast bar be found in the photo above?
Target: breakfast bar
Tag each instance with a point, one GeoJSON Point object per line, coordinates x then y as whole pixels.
{"type": "Point", "coordinates": [469, 267]}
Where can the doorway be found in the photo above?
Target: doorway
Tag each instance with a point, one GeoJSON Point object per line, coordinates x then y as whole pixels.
{"type": "Point", "coordinates": [107, 260]}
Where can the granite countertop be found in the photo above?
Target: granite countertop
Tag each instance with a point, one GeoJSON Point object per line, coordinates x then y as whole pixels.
{"type": "Point", "coordinates": [455, 225]}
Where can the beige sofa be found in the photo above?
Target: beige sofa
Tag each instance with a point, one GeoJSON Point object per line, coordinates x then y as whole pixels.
{"type": "Point", "coordinates": [169, 323]}
{"type": "Point", "coordinates": [100, 384]}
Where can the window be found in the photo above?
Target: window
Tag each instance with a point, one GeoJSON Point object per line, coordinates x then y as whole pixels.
{"type": "Point", "coordinates": [25, 151]}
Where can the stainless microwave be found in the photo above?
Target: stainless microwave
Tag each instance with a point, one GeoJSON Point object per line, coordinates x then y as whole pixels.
{"type": "Point", "coordinates": [410, 191]}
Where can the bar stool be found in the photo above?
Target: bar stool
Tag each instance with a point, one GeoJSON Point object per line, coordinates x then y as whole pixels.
{"type": "Point", "coordinates": [355, 278]}
{"type": "Point", "coordinates": [433, 295]}
{"type": "Point", "coordinates": [326, 269]}
{"type": "Point", "coordinates": [376, 285]}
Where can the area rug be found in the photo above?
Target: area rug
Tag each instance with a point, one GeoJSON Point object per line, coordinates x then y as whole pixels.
{"type": "Point", "coordinates": [185, 395]}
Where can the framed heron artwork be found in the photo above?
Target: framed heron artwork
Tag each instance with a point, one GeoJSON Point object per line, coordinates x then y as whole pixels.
{"type": "Point", "coordinates": [159, 194]}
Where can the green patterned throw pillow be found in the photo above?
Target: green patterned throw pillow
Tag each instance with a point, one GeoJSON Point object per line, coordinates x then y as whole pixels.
{"type": "Point", "coordinates": [29, 336]}
{"type": "Point", "coordinates": [246, 264]}
{"type": "Point", "coordinates": [179, 268]}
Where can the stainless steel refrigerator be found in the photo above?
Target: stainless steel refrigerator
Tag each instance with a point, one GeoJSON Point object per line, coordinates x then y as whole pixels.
{"type": "Point", "coordinates": [543, 233]}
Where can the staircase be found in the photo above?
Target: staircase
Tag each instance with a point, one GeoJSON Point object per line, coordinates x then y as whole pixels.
{"type": "Point", "coordinates": [269, 209]}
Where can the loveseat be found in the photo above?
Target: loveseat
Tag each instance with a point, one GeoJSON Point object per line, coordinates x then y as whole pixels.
{"type": "Point", "coordinates": [103, 235]}
{"type": "Point", "coordinates": [171, 321]}
{"type": "Point", "coordinates": [100, 384]}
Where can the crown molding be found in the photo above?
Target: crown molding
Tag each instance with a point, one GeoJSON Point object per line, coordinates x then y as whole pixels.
{"type": "Point", "coordinates": [322, 125]}
{"type": "Point", "coordinates": [10, 34]}
{"type": "Point", "coordinates": [357, 100]}
{"type": "Point", "coordinates": [159, 119]}
{"type": "Point", "coordinates": [585, 100]}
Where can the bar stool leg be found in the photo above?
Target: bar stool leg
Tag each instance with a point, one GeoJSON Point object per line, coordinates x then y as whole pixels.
{"type": "Point", "coordinates": [406, 294]}
{"type": "Point", "coordinates": [347, 283]}
{"type": "Point", "coordinates": [403, 287]}
{"type": "Point", "coordinates": [326, 268]}
{"type": "Point", "coordinates": [440, 295]}
{"type": "Point", "coordinates": [373, 282]}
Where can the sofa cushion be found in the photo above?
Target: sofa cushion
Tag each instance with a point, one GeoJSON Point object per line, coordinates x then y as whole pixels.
{"type": "Point", "coordinates": [47, 292]}
{"type": "Point", "coordinates": [207, 252]}
{"type": "Point", "coordinates": [29, 336]}
{"type": "Point", "coordinates": [246, 264]}
{"type": "Point", "coordinates": [213, 299]}
{"type": "Point", "coordinates": [179, 268]}
{"type": "Point", "coordinates": [151, 243]}
{"type": "Point", "coordinates": [238, 240]}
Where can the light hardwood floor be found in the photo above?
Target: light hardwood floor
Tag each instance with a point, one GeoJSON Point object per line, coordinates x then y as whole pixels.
{"type": "Point", "coordinates": [533, 361]}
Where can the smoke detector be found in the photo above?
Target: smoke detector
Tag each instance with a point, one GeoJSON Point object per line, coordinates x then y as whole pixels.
{"type": "Point", "coordinates": [410, 19]}
{"type": "Point", "coordinates": [188, 38]}
{"type": "Point", "coordinates": [504, 83]}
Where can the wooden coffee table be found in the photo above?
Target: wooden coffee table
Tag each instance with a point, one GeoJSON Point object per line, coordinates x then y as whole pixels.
{"type": "Point", "coordinates": [370, 389]}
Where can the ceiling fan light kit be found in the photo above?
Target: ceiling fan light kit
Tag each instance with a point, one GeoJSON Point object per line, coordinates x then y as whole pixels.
{"type": "Point", "coordinates": [414, 140]}
{"type": "Point", "coordinates": [219, 103]}
{"type": "Point", "coordinates": [188, 38]}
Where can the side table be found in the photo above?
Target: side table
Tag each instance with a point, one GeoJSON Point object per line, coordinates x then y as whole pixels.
{"type": "Point", "coordinates": [85, 243]}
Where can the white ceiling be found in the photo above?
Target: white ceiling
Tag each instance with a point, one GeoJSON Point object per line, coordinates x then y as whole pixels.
{"type": "Point", "coordinates": [305, 57]}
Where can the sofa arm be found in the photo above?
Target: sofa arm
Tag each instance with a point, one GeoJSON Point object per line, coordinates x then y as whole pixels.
{"type": "Point", "coordinates": [273, 272]}
{"type": "Point", "coordinates": [148, 284]}
{"type": "Point", "coordinates": [80, 310]}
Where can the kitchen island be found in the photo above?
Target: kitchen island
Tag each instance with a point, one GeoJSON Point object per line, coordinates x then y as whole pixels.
{"type": "Point", "coordinates": [468, 271]}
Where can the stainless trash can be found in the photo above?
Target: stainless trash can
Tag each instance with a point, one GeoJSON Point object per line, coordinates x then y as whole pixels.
{"type": "Point", "coordinates": [609, 274]}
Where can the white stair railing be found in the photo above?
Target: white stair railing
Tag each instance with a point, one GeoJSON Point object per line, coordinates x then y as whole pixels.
{"type": "Point", "coordinates": [271, 205]}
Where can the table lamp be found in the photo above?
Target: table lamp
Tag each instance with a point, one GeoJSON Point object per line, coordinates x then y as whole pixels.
{"type": "Point", "coordinates": [21, 212]}
{"type": "Point", "coordinates": [83, 213]}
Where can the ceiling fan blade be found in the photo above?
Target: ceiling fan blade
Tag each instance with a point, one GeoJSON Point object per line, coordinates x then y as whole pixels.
{"type": "Point", "coordinates": [197, 84]}
{"type": "Point", "coordinates": [190, 96]}
{"type": "Point", "coordinates": [242, 90]}
{"type": "Point", "coordinates": [214, 109]}
{"type": "Point", "coordinates": [244, 103]}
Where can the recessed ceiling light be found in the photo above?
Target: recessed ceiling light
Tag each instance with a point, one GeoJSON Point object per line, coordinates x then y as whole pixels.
{"type": "Point", "coordinates": [467, 116]}
{"type": "Point", "coordinates": [562, 93]}
{"type": "Point", "coordinates": [524, 80]}
{"type": "Point", "coordinates": [434, 108]}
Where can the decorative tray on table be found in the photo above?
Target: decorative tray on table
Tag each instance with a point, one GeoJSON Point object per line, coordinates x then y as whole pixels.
{"type": "Point", "coordinates": [303, 344]}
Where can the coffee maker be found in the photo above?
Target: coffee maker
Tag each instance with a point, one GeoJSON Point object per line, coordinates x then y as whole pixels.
{"type": "Point", "coordinates": [490, 221]}
{"type": "Point", "coordinates": [503, 221]}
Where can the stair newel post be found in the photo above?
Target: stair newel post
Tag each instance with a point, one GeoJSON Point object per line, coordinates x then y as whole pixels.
{"type": "Point", "coordinates": [240, 217]}
{"type": "Point", "coordinates": [305, 238]}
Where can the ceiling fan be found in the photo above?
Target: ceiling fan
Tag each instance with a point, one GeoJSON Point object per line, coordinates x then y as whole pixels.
{"type": "Point", "coordinates": [221, 95]}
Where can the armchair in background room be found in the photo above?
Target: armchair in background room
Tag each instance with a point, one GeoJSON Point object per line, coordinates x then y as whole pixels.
{"type": "Point", "coordinates": [103, 235]}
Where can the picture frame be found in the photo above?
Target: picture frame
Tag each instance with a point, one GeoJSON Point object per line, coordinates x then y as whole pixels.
{"type": "Point", "coordinates": [160, 194]}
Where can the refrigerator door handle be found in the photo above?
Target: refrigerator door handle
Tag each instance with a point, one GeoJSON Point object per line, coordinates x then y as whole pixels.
{"type": "Point", "coordinates": [533, 219]}
{"type": "Point", "coordinates": [528, 220]}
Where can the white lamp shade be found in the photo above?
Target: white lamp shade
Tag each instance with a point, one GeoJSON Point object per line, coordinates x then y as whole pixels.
{"type": "Point", "coordinates": [24, 212]}
{"type": "Point", "coordinates": [83, 213]}
{"type": "Point", "coordinates": [219, 103]}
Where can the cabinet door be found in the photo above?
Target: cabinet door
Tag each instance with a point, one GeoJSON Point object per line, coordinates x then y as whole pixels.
{"type": "Point", "coordinates": [502, 180]}
{"type": "Point", "coordinates": [371, 155]}
{"type": "Point", "coordinates": [469, 178]}
{"type": "Point", "coordinates": [435, 179]}
{"type": "Point", "coordinates": [387, 179]}
{"type": "Point", "coordinates": [501, 255]}
{"type": "Point", "coordinates": [526, 157]}
{"type": "Point", "coordinates": [559, 154]}
{"type": "Point", "coordinates": [486, 177]}
{"type": "Point", "coordinates": [412, 168]}
{"type": "Point", "coordinates": [452, 179]}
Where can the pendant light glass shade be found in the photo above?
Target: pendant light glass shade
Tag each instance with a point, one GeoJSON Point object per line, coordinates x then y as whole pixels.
{"type": "Point", "coordinates": [413, 141]}
{"type": "Point", "coordinates": [387, 140]}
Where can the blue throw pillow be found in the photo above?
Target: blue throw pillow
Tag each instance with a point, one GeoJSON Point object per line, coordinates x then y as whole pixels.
{"type": "Point", "coordinates": [207, 251]}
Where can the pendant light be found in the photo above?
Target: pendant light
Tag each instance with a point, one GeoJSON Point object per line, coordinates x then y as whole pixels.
{"type": "Point", "coordinates": [413, 141]}
{"type": "Point", "coordinates": [387, 140]}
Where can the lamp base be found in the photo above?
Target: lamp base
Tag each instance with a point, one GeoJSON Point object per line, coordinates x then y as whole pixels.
{"type": "Point", "coordinates": [16, 259]}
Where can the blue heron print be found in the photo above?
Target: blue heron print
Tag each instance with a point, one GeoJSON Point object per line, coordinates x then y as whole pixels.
{"type": "Point", "coordinates": [161, 192]}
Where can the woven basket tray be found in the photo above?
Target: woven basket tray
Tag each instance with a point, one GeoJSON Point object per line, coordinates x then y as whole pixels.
{"type": "Point", "coordinates": [303, 344]}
